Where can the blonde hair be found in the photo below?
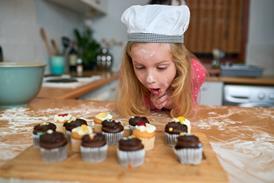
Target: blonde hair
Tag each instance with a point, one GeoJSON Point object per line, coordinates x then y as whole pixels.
{"type": "Point", "coordinates": [132, 93]}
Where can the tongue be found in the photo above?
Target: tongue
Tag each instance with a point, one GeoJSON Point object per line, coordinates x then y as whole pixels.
{"type": "Point", "coordinates": [155, 91]}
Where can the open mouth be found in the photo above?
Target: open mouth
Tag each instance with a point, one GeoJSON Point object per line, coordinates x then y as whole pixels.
{"type": "Point", "coordinates": [155, 91]}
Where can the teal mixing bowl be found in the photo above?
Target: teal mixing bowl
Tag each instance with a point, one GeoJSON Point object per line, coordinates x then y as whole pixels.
{"type": "Point", "coordinates": [19, 82]}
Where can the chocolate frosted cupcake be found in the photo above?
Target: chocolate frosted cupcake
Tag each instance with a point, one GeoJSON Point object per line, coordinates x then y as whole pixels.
{"type": "Point", "coordinates": [173, 129]}
{"type": "Point", "coordinates": [131, 152]}
{"type": "Point", "coordinates": [94, 148]}
{"type": "Point", "coordinates": [40, 129]}
{"type": "Point", "coordinates": [137, 120]}
{"type": "Point", "coordinates": [53, 146]}
{"type": "Point", "coordinates": [113, 130]}
{"type": "Point", "coordinates": [69, 125]}
{"type": "Point", "coordinates": [189, 149]}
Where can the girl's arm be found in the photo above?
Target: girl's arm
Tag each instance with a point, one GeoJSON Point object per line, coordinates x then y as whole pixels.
{"type": "Point", "coordinates": [198, 77]}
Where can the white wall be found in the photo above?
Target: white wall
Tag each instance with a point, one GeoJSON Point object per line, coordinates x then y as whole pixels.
{"type": "Point", "coordinates": [110, 26]}
{"type": "Point", "coordinates": [20, 21]}
{"type": "Point", "coordinates": [260, 47]}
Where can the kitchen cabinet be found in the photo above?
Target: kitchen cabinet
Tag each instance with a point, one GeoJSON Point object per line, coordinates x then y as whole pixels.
{"type": "Point", "coordinates": [211, 93]}
{"type": "Point", "coordinates": [85, 7]}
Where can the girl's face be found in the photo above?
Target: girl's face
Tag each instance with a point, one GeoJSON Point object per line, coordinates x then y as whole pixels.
{"type": "Point", "coordinates": [153, 66]}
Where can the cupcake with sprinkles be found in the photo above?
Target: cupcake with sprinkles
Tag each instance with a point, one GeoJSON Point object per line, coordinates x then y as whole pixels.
{"type": "Point", "coordinates": [60, 119]}
{"type": "Point", "coordinates": [137, 120]}
{"type": "Point", "coordinates": [40, 129]}
{"type": "Point", "coordinates": [69, 125]}
{"type": "Point", "coordinates": [77, 134]}
{"type": "Point", "coordinates": [177, 126]}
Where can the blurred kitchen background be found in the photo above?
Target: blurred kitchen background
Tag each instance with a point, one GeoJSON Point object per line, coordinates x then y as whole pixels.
{"type": "Point", "coordinates": [232, 38]}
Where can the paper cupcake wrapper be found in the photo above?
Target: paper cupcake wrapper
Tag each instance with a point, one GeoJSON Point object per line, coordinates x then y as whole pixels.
{"type": "Point", "coordinates": [171, 139]}
{"type": "Point", "coordinates": [35, 139]}
{"type": "Point", "coordinates": [189, 155]}
{"type": "Point", "coordinates": [54, 155]}
{"type": "Point", "coordinates": [148, 143]}
{"type": "Point", "coordinates": [131, 158]}
{"type": "Point", "coordinates": [113, 138]}
{"type": "Point", "coordinates": [60, 127]}
{"type": "Point", "coordinates": [68, 135]}
{"type": "Point", "coordinates": [75, 145]}
{"type": "Point", "coordinates": [94, 154]}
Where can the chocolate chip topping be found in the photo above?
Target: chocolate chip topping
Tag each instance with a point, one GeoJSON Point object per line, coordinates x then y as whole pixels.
{"type": "Point", "coordinates": [43, 127]}
{"type": "Point", "coordinates": [188, 141]}
{"type": "Point", "coordinates": [52, 140]}
{"type": "Point", "coordinates": [111, 126]}
{"type": "Point", "coordinates": [133, 121]}
{"type": "Point", "coordinates": [175, 128]}
{"type": "Point", "coordinates": [73, 124]}
{"type": "Point", "coordinates": [98, 140]}
{"type": "Point", "coordinates": [130, 144]}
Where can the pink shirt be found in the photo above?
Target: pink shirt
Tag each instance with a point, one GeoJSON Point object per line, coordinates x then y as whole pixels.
{"type": "Point", "coordinates": [198, 76]}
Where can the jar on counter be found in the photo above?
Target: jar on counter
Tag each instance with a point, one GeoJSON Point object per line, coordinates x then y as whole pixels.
{"type": "Point", "coordinates": [104, 60]}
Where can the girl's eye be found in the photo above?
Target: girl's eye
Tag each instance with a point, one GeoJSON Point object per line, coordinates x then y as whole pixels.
{"type": "Point", "coordinates": [139, 67]}
{"type": "Point", "coordinates": [164, 67]}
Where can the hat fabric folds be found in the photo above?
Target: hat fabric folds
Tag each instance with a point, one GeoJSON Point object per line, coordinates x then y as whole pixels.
{"type": "Point", "coordinates": [156, 23]}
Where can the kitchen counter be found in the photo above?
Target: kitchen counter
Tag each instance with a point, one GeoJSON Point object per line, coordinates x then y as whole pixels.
{"type": "Point", "coordinates": [266, 80]}
{"type": "Point", "coordinates": [74, 93]}
{"type": "Point", "coordinates": [243, 138]}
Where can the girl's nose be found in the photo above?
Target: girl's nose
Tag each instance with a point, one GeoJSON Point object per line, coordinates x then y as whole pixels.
{"type": "Point", "coordinates": [150, 78]}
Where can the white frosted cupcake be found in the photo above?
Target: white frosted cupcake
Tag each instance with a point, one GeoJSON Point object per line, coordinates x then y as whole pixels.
{"type": "Point", "coordinates": [53, 146]}
{"type": "Point", "coordinates": [76, 136]}
{"type": "Point", "coordinates": [188, 149]}
{"type": "Point", "coordinates": [94, 148]}
{"type": "Point", "coordinates": [131, 152]}
{"type": "Point", "coordinates": [177, 126]}
{"type": "Point", "coordinates": [60, 119]}
{"type": "Point", "coordinates": [146, 133]}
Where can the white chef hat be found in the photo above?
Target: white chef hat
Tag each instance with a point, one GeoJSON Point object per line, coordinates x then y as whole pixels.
{"type": "Point", "coordinates": [156, 23]}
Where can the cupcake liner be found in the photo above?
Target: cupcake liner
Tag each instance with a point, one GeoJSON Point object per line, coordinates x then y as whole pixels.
{"type": "Point", "coordinates": [171, 139]}
{"type": "Point", "coordinates": [189, 155]}
{"type": "Point", "coordinates": [60, 127]}
{"type": "Point", "coordinates": [75, 144]}
{"type": "Point", "coordinates": [94, 154]}
{"type": "Point", "coordinates": [35, 139]}
{"type": "Point", "coordinates": [54, 155]}
{"type": "Point", "coordinates": [68, 135]}
{"type": "Point", "coordinates": [148, 143]}
{"type": "Point", "coordinates": [131, 158]}
{"type": "Point", "coordinates": [113, 138]}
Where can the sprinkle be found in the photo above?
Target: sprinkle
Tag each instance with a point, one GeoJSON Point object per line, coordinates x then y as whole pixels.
{"type": "Point", "coordinates": [50, 131]}
{"type": "Point", "coordinates": [170, 129]}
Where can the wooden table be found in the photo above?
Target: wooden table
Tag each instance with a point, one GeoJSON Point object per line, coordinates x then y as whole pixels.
{"type": "Point", "coordinates": [243, 138]}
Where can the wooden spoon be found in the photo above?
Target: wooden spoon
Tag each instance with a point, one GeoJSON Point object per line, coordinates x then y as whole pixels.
{"type": "Point", "coordinates": [45, 40]}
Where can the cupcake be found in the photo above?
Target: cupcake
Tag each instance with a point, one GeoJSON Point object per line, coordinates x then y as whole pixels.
{"type": "Point", "coordinates": [53, 146]}
{"type": "Point", "coordinates": [94, 148]}
{"type": "Point", "coordinates": [146, 133]}
{"type": "Point", "coordinates": [99, 118]}
{"type": "Point", "coordinates": [188, 149]}
{"type": "Point", "coordinates": [113, 130]}
{"type": "Point", "coordinates": [131, 152]}
{"type": "Point", "coordinates": [69, 125]}
{"type": "Point", "coordinates": [76, 135]}
{"type": "Point", "coordinates": [40, 129]}
{"type": "Point", "coordinates": [137, 120]}
{"type": "Point", "coordinates": [60, 119]}
{"type": "Point", "coordinates": [176, 127]}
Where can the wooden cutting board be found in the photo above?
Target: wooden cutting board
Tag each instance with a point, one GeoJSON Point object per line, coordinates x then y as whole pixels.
{"type": "Point", "coordinates": [160, 165]}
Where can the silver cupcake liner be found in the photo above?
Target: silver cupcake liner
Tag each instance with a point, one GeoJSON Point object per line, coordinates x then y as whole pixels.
{"type": "Point", "coordinates": [131, 158]}
{"type": "Point", "coordinates": [54, 155]}
{"type": "Point", "coordinates": [36, 139]}
{"type": "Point", "coordinates": [113, 138]}
{"type": "Point", "coordinates": [171, 139]}
{"type": "Point", "coordinates": [189, 155]}
{"type": "Point", "coordinates": [94, 154]}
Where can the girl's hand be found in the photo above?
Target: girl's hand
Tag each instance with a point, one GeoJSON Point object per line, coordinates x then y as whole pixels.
{"type": "Point", "coordinates": [162, 101]}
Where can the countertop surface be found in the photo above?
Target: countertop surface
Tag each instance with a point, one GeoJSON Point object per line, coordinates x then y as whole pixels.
{"type": "Point", "coordinates": [243, 138]}
{"type": "Point", "coordinates": [64, 91]}
{"type": "Point", "coordinates": [265, 80]}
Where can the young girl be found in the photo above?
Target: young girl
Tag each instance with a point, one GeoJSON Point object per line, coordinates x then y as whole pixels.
{"type": "Point", "coordinates": [157, 71]}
